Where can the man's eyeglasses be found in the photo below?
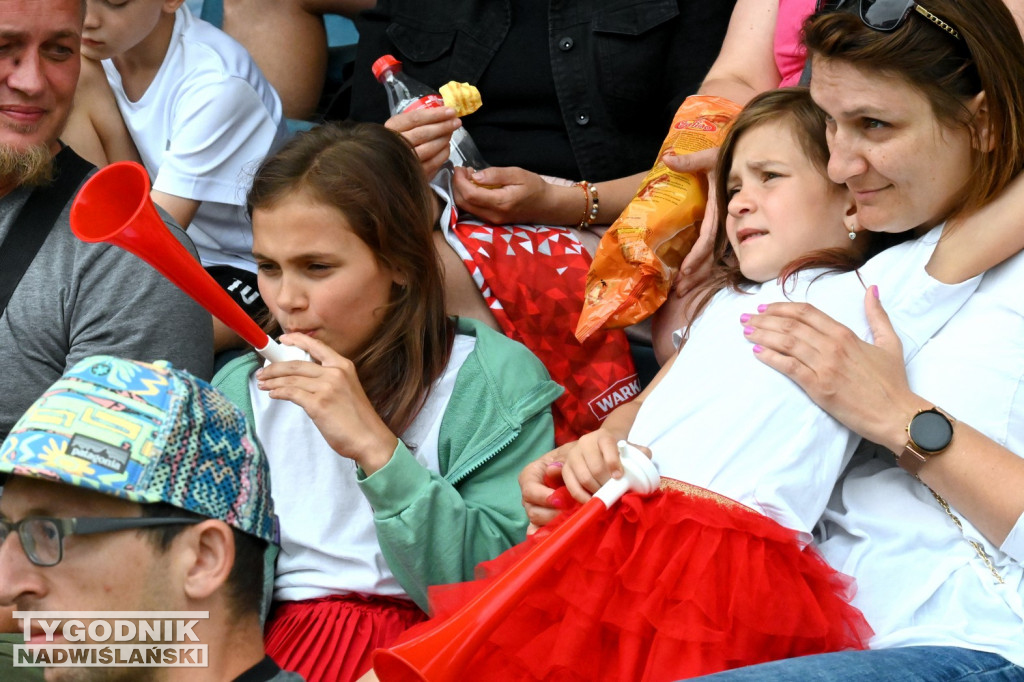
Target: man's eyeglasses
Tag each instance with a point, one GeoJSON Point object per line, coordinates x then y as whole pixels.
{"type": "Point", "coordinates": [42, 537]}
{"type": "Point", "coordinates": [887, 15]}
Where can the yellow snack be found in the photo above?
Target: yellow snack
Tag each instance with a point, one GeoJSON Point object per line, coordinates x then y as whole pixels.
{"type": "Point", "coordinates": [462, 97]}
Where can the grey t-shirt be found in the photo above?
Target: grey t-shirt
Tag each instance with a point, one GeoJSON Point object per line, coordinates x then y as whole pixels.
{"type": "Point", "coordinates": [78, 299]}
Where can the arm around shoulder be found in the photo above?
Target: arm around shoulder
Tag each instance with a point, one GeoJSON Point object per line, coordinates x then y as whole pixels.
{"type": "Point", "coordinates": [972, 244]}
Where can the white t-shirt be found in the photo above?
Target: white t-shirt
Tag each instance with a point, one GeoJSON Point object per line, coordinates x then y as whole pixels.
{"type": "Point", "coordinates": [919, 580]}
{"type": "Point", "coordinates": [723, 420]}
{"type": "Point", "coordinates": [328, 538]}
{"type": "Point", "coordinates": [202, 126]}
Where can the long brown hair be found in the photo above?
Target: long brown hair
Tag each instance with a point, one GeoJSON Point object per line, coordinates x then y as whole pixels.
{"type": "Point", "coordinates": [794, 107]}
{"type": "Point", "coordinates": [372, 176]}
{"type": "Point", "coordinates": [948, 72]}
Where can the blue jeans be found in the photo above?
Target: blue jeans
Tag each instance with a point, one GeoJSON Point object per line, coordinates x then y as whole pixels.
{"type": "Point", "coordinates": [905, 664]}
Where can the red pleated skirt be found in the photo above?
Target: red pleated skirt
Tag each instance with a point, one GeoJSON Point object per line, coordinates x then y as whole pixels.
{"type": "Point", "coordinates": [678, 584]}
{"type": "Point", "coordinates": [331, 638]}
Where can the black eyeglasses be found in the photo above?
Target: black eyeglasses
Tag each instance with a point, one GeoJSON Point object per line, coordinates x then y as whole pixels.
{"type": "Point", "coordinates": [887, 15]}
{"type": "Point", "coordinates": [42, 537]}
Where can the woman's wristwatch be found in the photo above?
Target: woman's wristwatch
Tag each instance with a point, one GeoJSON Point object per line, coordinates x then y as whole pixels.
{"type": "Point", "coordinates": [929, 432]}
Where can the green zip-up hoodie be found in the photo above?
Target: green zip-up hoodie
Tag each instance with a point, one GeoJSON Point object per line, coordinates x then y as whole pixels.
{"type": "Point", "coordinates": [434, 529]}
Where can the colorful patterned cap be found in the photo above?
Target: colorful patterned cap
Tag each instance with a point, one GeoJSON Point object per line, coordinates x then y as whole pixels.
{"type": "Point", "coordinates": [146, 433]}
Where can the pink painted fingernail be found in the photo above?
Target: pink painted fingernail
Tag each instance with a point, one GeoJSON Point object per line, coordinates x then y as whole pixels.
{"type": "Point", "coordinates": [745, 317]}
{"type": "Point", "coordinates": [874, 290]}
{"type": "Point", "coordinates": [763, 307]}
{"type": "Point", "coordinates": [748, 330]}
{"type": "Point", "coordinates": [555, 501]}
{"type": "Point", "coordinates": [758, 348]}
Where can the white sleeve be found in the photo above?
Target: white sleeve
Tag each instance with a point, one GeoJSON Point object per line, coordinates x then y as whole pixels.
{"type": "Point", "coordinates": [917, 304]}
{"type": "Point", "coordinates": [442, 186]}
{"type": "Point", "coordinates": [1013, 545]}
{"type": "Point", "coordinates": [220, 131]}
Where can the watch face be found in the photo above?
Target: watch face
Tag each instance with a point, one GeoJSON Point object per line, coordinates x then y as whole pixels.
{"type": "Point", "coordinates": [931, 431]}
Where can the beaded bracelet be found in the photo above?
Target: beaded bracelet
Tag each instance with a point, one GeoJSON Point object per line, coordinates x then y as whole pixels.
{"type": "Point", "coordinates": [591, 206]}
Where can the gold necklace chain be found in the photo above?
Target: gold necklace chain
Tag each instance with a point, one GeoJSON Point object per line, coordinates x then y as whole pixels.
{"type": "Point", "coordinates": [976, 545]}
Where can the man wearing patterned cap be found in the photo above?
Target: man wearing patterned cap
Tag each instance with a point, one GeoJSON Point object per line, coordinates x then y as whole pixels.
{"type": "Point", "coordinates": [137, 487]}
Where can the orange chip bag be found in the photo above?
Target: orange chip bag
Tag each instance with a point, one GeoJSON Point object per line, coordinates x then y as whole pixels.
{"type": "Point", "coordinates": [640, 253]}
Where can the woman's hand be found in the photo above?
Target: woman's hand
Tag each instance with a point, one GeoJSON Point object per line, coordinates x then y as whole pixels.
{"type": "Point", "coordinates": [503, 196]}
{"type": "Point", "coordinates": [330, 393]}
{"type": "Point", "coordinates": [697, 264]}
{"type": "Point", "coordinates": [429, 131]}
{"type": "Point", "coordinates": [864, 386]}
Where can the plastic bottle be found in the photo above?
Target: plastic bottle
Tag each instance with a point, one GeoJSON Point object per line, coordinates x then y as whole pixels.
{"type": "Point", "coordinates": [406, 94]}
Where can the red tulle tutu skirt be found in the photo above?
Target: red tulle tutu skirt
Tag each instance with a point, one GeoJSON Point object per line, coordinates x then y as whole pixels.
{"type": "Point", "coordinates": [330, 639]}
{"type": "Point", "coordinates": [674, 585]}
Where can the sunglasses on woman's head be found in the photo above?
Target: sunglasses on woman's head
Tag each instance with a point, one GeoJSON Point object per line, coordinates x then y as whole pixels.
{"type": "Point", "coordinates": [886, 15]}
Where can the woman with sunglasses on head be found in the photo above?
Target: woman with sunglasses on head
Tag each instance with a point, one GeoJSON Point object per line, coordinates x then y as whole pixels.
{"type": "Point", "coordinates": [925, 124]}
{"type": "Point", "coordinates": [762, 50]}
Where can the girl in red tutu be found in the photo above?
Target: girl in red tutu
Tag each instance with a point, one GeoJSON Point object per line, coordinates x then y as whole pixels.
{"type": "Point", "coordinates": [716, 573]}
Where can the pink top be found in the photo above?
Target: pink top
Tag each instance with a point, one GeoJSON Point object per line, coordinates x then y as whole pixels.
{"type": "Point", "coordinates": [789, 52]}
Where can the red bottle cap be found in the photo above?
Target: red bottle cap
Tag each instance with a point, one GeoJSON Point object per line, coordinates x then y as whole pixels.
{"type": "Point", "coordinates": [385, 64]}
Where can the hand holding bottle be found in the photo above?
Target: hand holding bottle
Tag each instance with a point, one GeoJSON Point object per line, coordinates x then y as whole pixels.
{"type": "Point", "coordinates": [429, 131]}
{"type": "Point", "coordinates": [407, 94]}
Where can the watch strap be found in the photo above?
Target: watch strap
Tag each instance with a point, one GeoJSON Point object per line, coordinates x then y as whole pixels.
{"type": "Point", "coordinates": [911, 459]}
